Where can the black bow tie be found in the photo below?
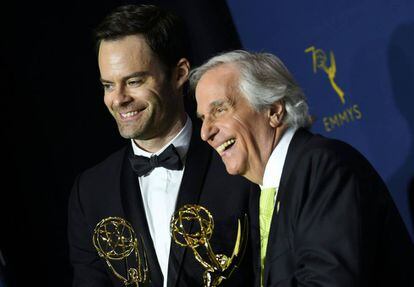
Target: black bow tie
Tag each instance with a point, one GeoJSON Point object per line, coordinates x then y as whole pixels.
{"type": "Point", "coordinates": [169, 159]}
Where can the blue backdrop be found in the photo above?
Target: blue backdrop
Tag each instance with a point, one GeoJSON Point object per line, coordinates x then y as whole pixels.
{"type": "Point", "coordinates": [355, 61]}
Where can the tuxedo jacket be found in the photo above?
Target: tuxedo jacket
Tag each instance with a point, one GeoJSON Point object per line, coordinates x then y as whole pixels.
{"type": "Point", "coordinates": [337, 224]}
{"type": "Point", "coordinates": [112, 189]}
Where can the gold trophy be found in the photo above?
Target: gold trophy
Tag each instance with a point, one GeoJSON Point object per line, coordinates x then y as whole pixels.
{"type": "Point", "coordinates": [192, 226]}
{"type": "Point", "coordinates": [115, 240]}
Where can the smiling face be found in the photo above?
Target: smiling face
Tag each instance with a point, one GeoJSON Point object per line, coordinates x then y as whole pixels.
{"type": "Point", "coordinates": [146, 104]}
{"type": "Point", "coordinates": [242, 136]}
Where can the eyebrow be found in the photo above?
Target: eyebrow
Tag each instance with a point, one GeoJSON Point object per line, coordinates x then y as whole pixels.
{"type": "Point", "coordinates": [213, 105]}
{"type": "Point", "coordinates": [132, 75]}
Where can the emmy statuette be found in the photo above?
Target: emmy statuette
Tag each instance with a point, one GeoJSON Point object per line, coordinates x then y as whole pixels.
{"type": "Point", "coordinates": [117, 243]}
{"type": "Point", "coordinates": [192, 226]}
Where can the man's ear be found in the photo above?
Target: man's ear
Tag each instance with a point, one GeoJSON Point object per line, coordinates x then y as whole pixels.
{"type": "Point", "coordinates": [181, 72]}
{"type": "Point", "coordinates": [276, 113]}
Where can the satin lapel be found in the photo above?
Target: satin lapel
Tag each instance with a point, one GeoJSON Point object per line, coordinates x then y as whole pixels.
{"type": "Point", "coordinates": [135, 214]}
{"type": "Point", "coordinates": [294, 152]}
{"type": "Point", "coordinates": [196, 165]}
{"type": "Point", "coordinates": [295, 147]}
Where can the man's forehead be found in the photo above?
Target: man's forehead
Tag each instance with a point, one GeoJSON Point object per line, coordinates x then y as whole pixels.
{"type": "Point", "coordinates": [218, 80]}
{"type": "Point", "coordinates": [223, 72]}
{"type": "Point", "coordinates": [129, 48]}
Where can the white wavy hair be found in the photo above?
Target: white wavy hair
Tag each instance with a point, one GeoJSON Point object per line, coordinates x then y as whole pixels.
{"type": "Point", "coordinates": [264, 79]}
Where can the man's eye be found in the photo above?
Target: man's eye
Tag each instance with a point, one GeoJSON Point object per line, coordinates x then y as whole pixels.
{"type": "Point", "coordinates": [107, 86]}
{"type": "Point", "coordinates": [134, 83]}
{"type": "Point", "coordinates": [220, 110]}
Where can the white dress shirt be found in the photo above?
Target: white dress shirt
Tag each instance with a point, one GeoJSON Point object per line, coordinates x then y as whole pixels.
{"type": "Point", "coordinates": [159, 190]}
{"type": "Point", "coordinates": [274, 166]}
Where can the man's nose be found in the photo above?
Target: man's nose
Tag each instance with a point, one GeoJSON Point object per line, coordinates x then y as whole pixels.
{"type": "Point", "coordinates": [208, 130]}
{"type": "Point", "coordinates": [121, 96]}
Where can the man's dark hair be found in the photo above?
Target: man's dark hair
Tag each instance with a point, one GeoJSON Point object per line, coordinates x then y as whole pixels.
{"type": "Point", "coordinates": [163, 31]}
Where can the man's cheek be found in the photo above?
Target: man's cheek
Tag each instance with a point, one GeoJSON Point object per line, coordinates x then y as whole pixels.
{"type": "Point", "coordinates": [237, 118]}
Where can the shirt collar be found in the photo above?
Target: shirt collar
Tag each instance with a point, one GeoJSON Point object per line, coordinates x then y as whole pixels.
{"type": "Point", "coordinates": [181, 142]}
{"type": "Point", "coordinates": [274, 166]}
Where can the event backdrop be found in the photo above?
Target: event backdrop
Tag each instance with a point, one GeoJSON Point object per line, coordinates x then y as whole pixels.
{"type": "Point", "coordinates": [355, 61]}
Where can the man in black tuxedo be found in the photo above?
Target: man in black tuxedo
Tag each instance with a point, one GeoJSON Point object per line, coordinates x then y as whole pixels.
{"type": "Point", "coordinates": [143, 67]}
{"type": "Point", "coordinates": [325, 216]}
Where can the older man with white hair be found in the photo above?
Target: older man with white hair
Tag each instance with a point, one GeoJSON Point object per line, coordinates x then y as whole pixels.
{"type": "Point", "coordinates": [326, 217]}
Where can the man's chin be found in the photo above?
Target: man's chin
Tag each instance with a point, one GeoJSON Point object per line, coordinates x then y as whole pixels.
{"type": "Point", "coordinates": [129, 134]}
{"type": "Point", "coordinates": [231, 169]}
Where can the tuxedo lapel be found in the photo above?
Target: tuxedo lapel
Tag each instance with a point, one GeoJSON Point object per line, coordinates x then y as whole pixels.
{"type": "Point", "coordinates": [196, 165]}
{"type": "Point", "coordinates": [135, 214]}
{"type": "Point", "coordinates": [295, 147]}
{"type": "Point", "coordinates": [294, 152]}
